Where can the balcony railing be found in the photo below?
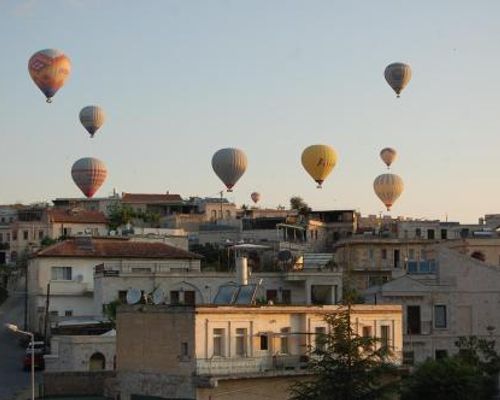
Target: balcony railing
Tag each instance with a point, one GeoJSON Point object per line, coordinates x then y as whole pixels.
{"type": "Point", "coordinates": [116, 269]}
{"type": "Point", "coordinates": [276, 364]}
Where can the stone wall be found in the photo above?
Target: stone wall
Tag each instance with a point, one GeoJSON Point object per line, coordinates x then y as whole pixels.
{"type": "Point", "coordinates": [76, 383]}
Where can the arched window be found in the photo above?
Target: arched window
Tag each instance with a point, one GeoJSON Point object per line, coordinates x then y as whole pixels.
{"type": "Point", "coordinates": [97, 362]}
{"type": "Point", "coordinates": [478, 256]}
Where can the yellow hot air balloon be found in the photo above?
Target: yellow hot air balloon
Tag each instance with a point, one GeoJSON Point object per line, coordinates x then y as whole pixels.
{"type": "Point", "coordinates": [319, 160]}
{"type": "Point", "coordinates": [388, 155]}
{"type": "Point", "coordinates": [397, 76]}
{"type": "Point", "coordinates": [388, 187]}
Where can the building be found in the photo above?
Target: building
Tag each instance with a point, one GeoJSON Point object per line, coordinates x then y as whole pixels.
{"type": "Point", "coordinates": [245, 352]}
{"type": "Point", "coordinates": [457, 296]}
{"type": "Point", "coordinates": [61, 276]}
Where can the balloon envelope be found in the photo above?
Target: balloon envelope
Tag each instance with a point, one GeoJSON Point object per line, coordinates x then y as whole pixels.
{"type": "Point", "coordinates": [319, 160]}
{"type": "Point", "coordinates": [229, 164]}
{"type": "Point", "coordinates": [388, 155]}
{"type": "Point", "coordinates": [388, 187]}
{"type": "Point", "coordinates": [92, 118]}
{"type": "Point", "coordinates": [89, 174]}
{"type": "Point", "coordinates": [49, 69]}
{"type": "Point", "coordinates": [255, 197]}
{"type": "Point", "coordinates": [397, 76]}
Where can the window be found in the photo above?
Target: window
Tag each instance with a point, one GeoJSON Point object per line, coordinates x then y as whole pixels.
{"type": "Point", "coordinates": [189, 297]}
{"type": "Point", "coordinates": [384, 336]}
{"type": "Point", "coordinates": [413, 320]}
{"type": "Point", "coordinates": [284, 340]}
{"type": "Point", "coordinates": [218, 342]}
{"type": "Point", "coordinates": [366, 331]}
{"type": "Point", "coordinates": [272, 295]}
{"type": "Point", "coordinates": [320, 337]}
{"type": "Point", "coordinates": [61, 273]}
{"type": "Point", "coordinates": [418, 232]}
{"type": "Point", "coordinates": [264, 342]}
{"type": "Point", "coordinates": [384, 254]}
{"type": "Point", "coordinates": [14, 235]}
{"type": "Point", "coordinates": [444, 233]}
{"type": "Point", "coordinates": [440, 354]}
{"type": "Point", "coordinates": [141, 270]}
{"type": "Point", "coordinates": [26, 235]}
{"type": "Point", "coordinates": [241, 342]}
{"type": "Point", "coordinates": [54, 313]}
{"type": "Point", "coordinates": [68, 313]}
{"type": "Point", "coordinates": [8, 237]}
{"type": "Point", "coordinates": [411, 254]}
{"type": "Point", "coordinates": [40, 235]}
{"type": "Point", "coordinates": [213, 215]}
{"type": "Point", "coordinates": [430, 234]}
{"type": "Point", "coordinates": [122, 296]}
{"type": "Point", "coordinates": [66, 232]}
{"type": "Point", "coordinates": [228, 214]}
{"type": "Point", "coordinates": [370, 254]}
{"type": "Point", "coordinates": [286, 296]}
{"type": "Point", "coordinates": [184, 349]}
{"type": "Point", "coordinates": [174, 297]}
{"type": "Point", "coordinates": [440, 316]}
{"type": "Point", "coordinates": [408, 357]}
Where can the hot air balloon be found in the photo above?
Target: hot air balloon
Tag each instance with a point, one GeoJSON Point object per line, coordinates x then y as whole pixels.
{"type": "Point", "coordinates": [388, 187]}
{"type": "Point", "coordinates": [319, 160]}
{"type": "Point", "coordinates": [397, 76]}
{"type": "Point", "coordinates": [255, 197]}
{"type": "Point", "coordinates": [89, 174]}
{"type": "Point", "coordinates": [49, 69]}
{"type": "Point", "coordinates": [229, 164]}
{"type": "Point", "coordinates": [92, 118]}
{"type": "Point", "coordinates": [388, 155]}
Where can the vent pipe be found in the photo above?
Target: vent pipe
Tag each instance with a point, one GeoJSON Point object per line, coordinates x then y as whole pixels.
{"type": "Point", "coordinates": [242, 270]}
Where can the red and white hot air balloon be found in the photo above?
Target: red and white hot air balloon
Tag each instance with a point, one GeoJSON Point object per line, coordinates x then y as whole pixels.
{"type": "Point", "coordinates": [255, 197]}
{"type": "Point", "coordinates": [89, 174]}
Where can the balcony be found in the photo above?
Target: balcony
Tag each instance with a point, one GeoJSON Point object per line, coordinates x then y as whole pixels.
{"type": "Point", "coordinates": [69, 288]}
{"type": "Point", "coordinates": [269, 365]}
{"type": "Point", "coordinates": [145, 268]}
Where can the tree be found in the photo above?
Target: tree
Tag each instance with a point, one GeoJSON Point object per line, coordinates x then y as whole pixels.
{"type": "Point", "coordinates": [346, 366]}
{"type": "Point", "coordinates": [470, 374]}
{"type": "Point", "coordinates": [297, 203]}
{"type": "Point", "coordinates": [119, 215]}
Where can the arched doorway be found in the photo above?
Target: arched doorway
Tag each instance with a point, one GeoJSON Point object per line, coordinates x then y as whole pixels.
{"type": "Point", "coordinates": [97, 362]}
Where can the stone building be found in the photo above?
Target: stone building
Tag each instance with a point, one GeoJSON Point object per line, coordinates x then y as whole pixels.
{"type": "Point", "coordinates": [244, 352]}
{"type": "Point", "coordinates": [458, 296]}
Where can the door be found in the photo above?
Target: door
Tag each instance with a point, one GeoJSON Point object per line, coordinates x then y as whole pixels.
{"type": "Point", "coordinates": [413, 320]}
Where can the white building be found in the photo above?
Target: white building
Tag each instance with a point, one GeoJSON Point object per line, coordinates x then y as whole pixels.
{"type": "Point", "coordinates": [68, 267]}
{"type": "Point", "coordinates": [459, 296]}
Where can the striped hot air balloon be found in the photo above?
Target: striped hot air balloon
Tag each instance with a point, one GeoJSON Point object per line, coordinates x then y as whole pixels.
{"type": "Point", "coordinates": [49, 69]}
{"type": "Point", "coordinates": [388, 156]}
{"type": "Point", "coordinates": [398, 75]}
{"type": "Point", "coordinates": [319, 160]}
{"type": "Point", "coordinates": [229, 165]}
{"type": "Point", "coordinates": [89, 174]}
{"type": "Point", "coordinates": [92, 118]}
{"type": "Point", "coordinates": [388, 188]}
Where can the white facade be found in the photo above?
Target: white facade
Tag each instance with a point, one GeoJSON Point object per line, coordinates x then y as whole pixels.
{"type": "Point", "coordinates": [460, 299]}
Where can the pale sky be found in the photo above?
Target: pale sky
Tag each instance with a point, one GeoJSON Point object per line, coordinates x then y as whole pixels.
{"type": "Point", "coordinates": [181, 79]}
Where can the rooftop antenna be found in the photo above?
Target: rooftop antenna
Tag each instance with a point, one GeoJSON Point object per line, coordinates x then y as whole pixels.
{"type": "Point", "coordinates": [158, 296]}
{"type": "Point", "coordinates": [133, 296]}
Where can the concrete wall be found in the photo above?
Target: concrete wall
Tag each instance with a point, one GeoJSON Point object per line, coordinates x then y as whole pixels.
{"type": "Point", "coordinates": [72, 353]}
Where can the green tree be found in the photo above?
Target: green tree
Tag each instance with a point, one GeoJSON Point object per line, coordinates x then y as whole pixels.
{"type": "Point", "coordinates": [298, 203]}
{"type": "Point", "coordinates": [469, 375]}
{"type": "Point", "coordinates": [119, 215]}
{"type": "Point", "coordinates": [346, 366]}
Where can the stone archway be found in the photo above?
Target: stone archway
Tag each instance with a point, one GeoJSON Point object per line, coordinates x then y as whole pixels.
{"type": "Point", "coordinates": [97, 362]}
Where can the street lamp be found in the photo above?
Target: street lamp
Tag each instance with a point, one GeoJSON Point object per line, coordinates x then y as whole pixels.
{"type": "Point", "coordinates": [15, 328]}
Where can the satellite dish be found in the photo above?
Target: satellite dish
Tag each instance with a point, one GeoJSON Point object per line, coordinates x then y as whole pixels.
{"type": "Point", "coordinates": [133, 296]}
{"type": "Point", "coordinates": [158, 296]}
{"type": "Point", "coordinates": [285, 255]}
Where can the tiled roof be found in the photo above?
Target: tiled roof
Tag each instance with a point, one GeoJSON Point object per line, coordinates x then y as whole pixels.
{"type": "Point", "coordinates": [150, 198]}
{"type": "Point", "coordinates": [76, 216]}
{"type": "Point", "coordinates": [114, 248]}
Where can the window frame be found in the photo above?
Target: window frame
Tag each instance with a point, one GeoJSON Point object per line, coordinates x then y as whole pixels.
{"type": "Point", "coordinates": [445, 315]}
{"type": "Point", "coordinates": [64, 269]}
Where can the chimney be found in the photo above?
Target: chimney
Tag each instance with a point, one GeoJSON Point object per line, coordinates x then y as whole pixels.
{"type": "Point", "coordinates": [242, 270]}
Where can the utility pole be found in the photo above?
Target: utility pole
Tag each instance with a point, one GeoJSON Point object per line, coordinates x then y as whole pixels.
{"type": "Point", "coordinates": [46, 322]}
{"type": "Point", "coordinates": [221, 198]}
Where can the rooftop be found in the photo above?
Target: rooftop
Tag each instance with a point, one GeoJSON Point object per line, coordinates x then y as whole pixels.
{"type": "Point", "coordinates": [114, 248]}
{"type": "Point", "coordinates": [76, 216]}
{"type": "Point", "coordinates": [134, 198]}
